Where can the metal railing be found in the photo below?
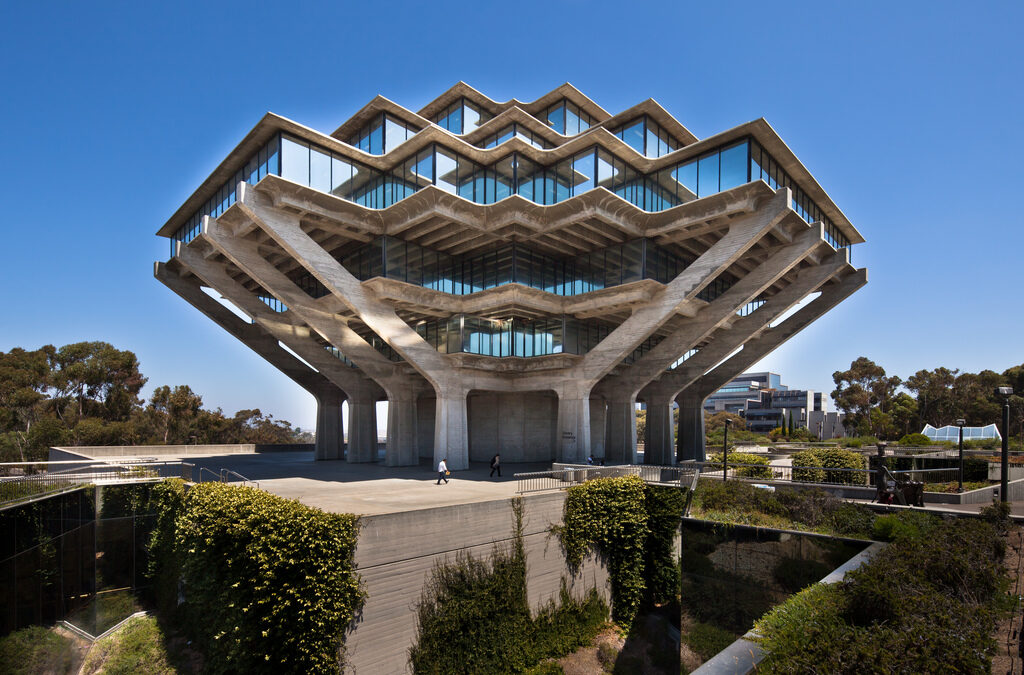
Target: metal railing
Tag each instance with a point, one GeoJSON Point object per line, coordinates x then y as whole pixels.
{"type": "Point", "coordinates": [225, 477]}
{"type": "Point", "coordinates": [813, 474]}
{"type": "Point", "coordinates": [680, 475]}
{"type": "Point", "coordinates": [24, 480]}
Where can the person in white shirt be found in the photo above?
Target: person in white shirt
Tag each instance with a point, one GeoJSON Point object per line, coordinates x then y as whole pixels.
{"type": "Point", "coordinates": [442, 470]}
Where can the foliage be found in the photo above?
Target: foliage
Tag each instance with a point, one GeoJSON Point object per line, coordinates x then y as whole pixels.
{"type": "Point", "coordinates": [736, 501]}
{"type": "Point", "coordinates": [269, 583]}
{"type": "Point", "coordinates": [952, 486]}
{"type": "Point", "coordinates": [136, 647]}
{"type": "Point", "coordinates": [35, 650]}
{"type": "Point", "coordinates": [862, 388]}
{"type": "Point", "coordinates": [903, 524]}
{"type": "Point", "coordinates": [707, 639]}
{"type": "Point", "coordinates": [716, 422]}
{"type": "Point", "coordinates": [474, 617]}
{"type": "Point", "coordinates": [759, 471]}
{"type": "Point", "coordinates": [927, 603]}
{"type": "Point", "coordinates": [998, 515]}
{"type": "Point", "coordinates": [609, 514]}
{"type": "Point", "coordinates": [915, 440]}
{"type": "Point", "coordinates": [829, 458]}
{"type": "Point", "coordinates": [87, 393]}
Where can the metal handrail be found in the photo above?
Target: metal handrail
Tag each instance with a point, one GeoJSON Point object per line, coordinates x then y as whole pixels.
{"type": "Point", "coordinates": [216, 476]}
{"type": "Point", "coordinates": [224, 473]}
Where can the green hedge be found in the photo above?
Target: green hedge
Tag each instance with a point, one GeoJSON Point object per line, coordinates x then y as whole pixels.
{"type": "Point", "coordinates": [760, 471]}
{"type": "Point", "coordinates": [632, 526]}
{"type": "Point", "coordinates": [829, 458]}
{"type": "Point", "coordinates": [474, 617]}
{"type": "Point", "coordinates": [269, 584]}
{"type": "Point", "coordinates": [926, 604]}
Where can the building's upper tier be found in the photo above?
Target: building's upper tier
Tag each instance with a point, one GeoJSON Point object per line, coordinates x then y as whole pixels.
{"type": "Point", "coordinates": [546, 151]}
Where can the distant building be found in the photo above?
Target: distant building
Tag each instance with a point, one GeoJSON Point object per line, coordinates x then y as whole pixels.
{"type": "Point", "coordinates": [763, 401]}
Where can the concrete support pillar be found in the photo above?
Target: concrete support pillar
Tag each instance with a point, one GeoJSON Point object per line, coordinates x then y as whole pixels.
{"type": "Point", "coordinates": [330, 434]}
{"type": "Point", "coordinates": [573, 426]}
{"type": "Point", "coordinates": [620, 437]}
{"type": "Point", "coordinates": [598, 424]}
{"type": "Point", "coordinates": [690, 441]}
{"type": "Point", "coordinates": [659, 440]}
{"type": "Point", "coordinates": [362, 429]}
{"type": "Point", "coordinates": [451, 429]}
{"type": "Point", "coordinates": [401, 449]}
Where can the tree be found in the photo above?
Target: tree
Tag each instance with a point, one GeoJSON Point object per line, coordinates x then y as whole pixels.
{"type": "Point", "coordinates": [904, 413]}
{"type": "Point", "coordinates": [716, 422]}
{"type": "Point", "coordinates": [95, 379]}
{"type": "Point", "coordinates": [934, 391]}
{"type": "Point", "coordinates": [174, 410]}
{"type": "Point", "coordinates": [861, 388]}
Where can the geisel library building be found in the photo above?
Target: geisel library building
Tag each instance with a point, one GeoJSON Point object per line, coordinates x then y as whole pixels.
{"type": "Point", "coordinates": [511, 277]}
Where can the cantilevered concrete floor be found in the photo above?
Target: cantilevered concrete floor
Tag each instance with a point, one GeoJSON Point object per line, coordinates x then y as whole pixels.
{"type": "Point", "coordinates": [365, 489]}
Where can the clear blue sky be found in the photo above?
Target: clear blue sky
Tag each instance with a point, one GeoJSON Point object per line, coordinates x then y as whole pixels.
{"type": "Point", "coordinates": [907, 113]}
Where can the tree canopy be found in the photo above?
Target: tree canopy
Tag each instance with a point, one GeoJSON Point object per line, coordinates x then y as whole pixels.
{"type": "Point", "coordinates": [87, 393]}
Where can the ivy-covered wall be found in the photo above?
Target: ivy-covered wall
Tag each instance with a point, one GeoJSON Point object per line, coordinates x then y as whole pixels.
{"type": "Point", "coordinates": [269, 584]}
{"type": "Point", "coordinates": [631, 525]}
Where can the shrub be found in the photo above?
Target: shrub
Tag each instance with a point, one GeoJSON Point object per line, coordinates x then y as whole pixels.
{"type": "Point", "coordinates": [610, 515]}
{"type": "Point", "coordinates": [915, 440]}
{"type": "Point", "coordinates": [818, 461]}
{"type": "Point", "coordinates": [759, 471]}
{"type": "Point", "coordinates": [903, 524]}
{"type": "Point", "coordinates": [924, 604]}
{"type": "Point", "coordinates": [269, 583]}
{"type": "Point", "coordinates": [851, 520]}
{"type": "Point", "coordinates": [716, 495]}
{"type": "Point", "coordinates": [136, 647]}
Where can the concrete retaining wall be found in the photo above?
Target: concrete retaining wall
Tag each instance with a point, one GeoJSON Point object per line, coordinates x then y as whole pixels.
{"type": "Point", "coordinates": [397, 552]}
{"type": "Point", "coordinates": [97, 451]}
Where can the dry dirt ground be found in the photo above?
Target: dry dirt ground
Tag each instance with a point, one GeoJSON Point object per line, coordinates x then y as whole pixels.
{"type": "Point", "coordinates": [1008, 659]}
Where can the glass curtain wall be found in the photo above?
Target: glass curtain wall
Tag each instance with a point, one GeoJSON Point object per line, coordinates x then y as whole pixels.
{"type": "Point", "coordinates": [461, 117]}
{"type": "Point", "coordinates": [514, 264]}
{"type": "Point", "coordinates": [382, 135]}
{"type": "Point", "coordinates": [512, 131]}
{"type": "Point", "coordinates": [566, 118]}
{"type": "Point", "coordinates": [647, 137]}
{"type": "Point", "coordinates": [718, 170]}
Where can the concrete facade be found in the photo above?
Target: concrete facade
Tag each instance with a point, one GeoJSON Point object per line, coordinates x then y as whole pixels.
{"type": "Point", "coordinates": [502, 296]}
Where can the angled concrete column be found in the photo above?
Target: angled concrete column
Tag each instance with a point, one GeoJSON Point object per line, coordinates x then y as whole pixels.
{"type": "Point", "coordinates": [690, 442]}
{"type": "Point", "coordinates": [573, 425]}
{"type": "Point", "coordinates": [620, 437]}
{"type": "Point", "coordinates": [401, 448]}
{"type": "Point", "coordinates": [330, 438]}
{"type": "Point", "coordinates": [659, 439]}
{"type": "Point", "coordinates": [362, 430]}
{"type": "Point", "coordinates": [598, 424]}
{"type": "Point", "coordinates": [451, 428]}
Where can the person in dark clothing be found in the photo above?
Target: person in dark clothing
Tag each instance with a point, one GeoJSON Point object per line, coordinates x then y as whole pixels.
{"type": "Point", "coordinates": [495, 466]}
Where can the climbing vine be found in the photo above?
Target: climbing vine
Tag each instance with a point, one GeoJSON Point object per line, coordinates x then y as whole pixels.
{"type": "Point", "coordinates": [631, 525]}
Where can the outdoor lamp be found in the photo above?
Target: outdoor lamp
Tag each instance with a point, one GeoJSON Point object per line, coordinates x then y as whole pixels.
{"type": "Point", "coordinates": [1004, 471]}
{"type": "Point", "coordinates": [960, 423]}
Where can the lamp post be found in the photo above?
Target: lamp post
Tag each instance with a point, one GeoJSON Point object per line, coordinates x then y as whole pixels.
{"type": "Point", "coordinates": [1004, 472]}
{"type": "Point", "coordinates": [960, 486]}
{"type": "Point", "coordinates": [725, 450]}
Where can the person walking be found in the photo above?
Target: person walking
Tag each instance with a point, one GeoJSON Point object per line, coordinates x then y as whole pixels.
{"type": "Point", "coordinates": [495, 466]}
{"type": "Point", "coordinates": [442, 471]}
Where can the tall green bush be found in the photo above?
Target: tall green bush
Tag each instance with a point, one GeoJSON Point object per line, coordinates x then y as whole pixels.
{"type": "Point", "coordinates": [759, 471]}
{"type": "Point", "coordinates": [609, 514]}
{"type": "Point", "coordinates": [816, 463]}
{"type": "Point", "coordinates": [269, 584]}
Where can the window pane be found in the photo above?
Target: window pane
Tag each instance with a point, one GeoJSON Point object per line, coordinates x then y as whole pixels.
{"type": "Point", "coordinates": [319, 171]}
{"type": "Point", "coordinates": [394, 134]}
{"type": "Point", "coordinates": [556, 118]}
{"type": "Point", "coordinates": [633, 135]}
{"type": "Point", "coordinates": [295, 161]}
{"type": "Point", "coordinates": [734, 166]}
{"type": "Point", "coordinates": [447, 178]}
{"type": "Point", "coordinates": [572, 120]}
{"type": "Point", "coordinates": [583, 173]}
{"type": "Point", "coordinates": [707, 175]}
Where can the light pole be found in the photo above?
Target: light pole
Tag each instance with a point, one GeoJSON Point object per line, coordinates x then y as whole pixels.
{"type": "Point", "coordinates": [1004, 473]}
{"type": "Point", "coordinates": [960, 487]}
{"type": "Point", "coordinates": [725, 450]}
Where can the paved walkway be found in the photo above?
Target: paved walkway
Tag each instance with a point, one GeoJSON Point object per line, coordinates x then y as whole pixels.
{"type": "Point", "coordinates": [365, 489]}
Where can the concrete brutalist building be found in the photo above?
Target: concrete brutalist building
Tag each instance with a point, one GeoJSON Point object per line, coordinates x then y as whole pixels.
{"type": "Point", "coordinates": [511, 276]}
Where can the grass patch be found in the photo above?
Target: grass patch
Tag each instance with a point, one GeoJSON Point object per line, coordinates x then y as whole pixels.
{"type": "Point", "coordinates": [706, 639]}
{"type": "Point", "coordinates": [35, 650]}
{"type": "Point", "coordinates": [138, 647]}
{"type": "Point", "coordinates": [951, 486]}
